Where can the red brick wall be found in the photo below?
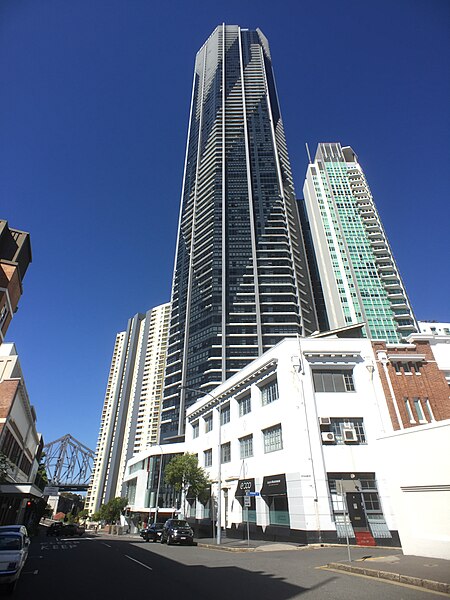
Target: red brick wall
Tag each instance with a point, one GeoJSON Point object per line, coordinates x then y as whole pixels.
{"type": "Point", "coordinates": [431, 383]}
{"type": "Point", "coordinates": [8, 390]}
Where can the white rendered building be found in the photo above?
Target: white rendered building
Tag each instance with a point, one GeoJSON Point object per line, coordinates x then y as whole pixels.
{"type": "Point", "coordinates": [434, 328]}
{"type": "Point", "coordinates": [131, 410]}
{"type": "Point", "coordinates": [295, 423]}
{"type": "Point", "coordinates": [420, 487]}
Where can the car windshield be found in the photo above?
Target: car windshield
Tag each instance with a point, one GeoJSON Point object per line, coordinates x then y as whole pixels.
{"type": "Point", "coordinates": [180, 524]}
{"type": "Point", "coordinates": [10, 542]}
{"type": "Point", "coordinates": [158, 525]}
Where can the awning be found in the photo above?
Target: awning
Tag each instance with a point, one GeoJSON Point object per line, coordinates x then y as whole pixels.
{"type": "Point", "coordinates": [244, 486]}
{"type": "Point", "coordinates": [274, 485]}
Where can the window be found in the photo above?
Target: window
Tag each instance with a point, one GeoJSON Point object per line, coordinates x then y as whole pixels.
{"type": "Point", "coordinates": [408, 410]}
{"type": "Point", "coordinates": [246, 446]}
{"type": "Point", "coordinates": [419, 411]}
{"type": "Point", "coordinates": [272, 439]}
{"type": "Point", "coordinates": [195, 429]}
{"type": "Point", "coordinates": [269, 393]}
{"type": "Point", "coordinates": [333, 381]}
{"type": "Point", "coordinates": [428, 410]}
{"type": "Point", "coordinates": [225, 453]}
{"type": "Point", "coordinates": [225, 415]}
{"type": "Point", "coordinates": [245, 405]}
{"type": "Point", "coordinates": [207, 457]}
{"type": "Point", "coordinates": [348, 429]}
{"type": "Point", "coordinates": [208, 422]}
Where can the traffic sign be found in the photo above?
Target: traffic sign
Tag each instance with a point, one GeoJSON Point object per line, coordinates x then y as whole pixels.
{"type": "Point", "coordinates": [252, 494]}
{"type": "Point", "coordinates": [247, 501]}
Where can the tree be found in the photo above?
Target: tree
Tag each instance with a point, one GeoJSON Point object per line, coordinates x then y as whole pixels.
{"type": "Point", "coordinates": [5, 467]}
{"type": "Point", "coordinates": [83, 514]}
{"type": "Point", "coordinates": [112, 510]}
{"type": "Point", "coordinates": [184, 473]}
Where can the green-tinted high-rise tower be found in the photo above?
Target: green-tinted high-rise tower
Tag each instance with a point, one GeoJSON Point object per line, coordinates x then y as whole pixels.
{"type": "Point", "coordinates": [358, 274]}
{"type": "Point", "coordinates": [241, 280]}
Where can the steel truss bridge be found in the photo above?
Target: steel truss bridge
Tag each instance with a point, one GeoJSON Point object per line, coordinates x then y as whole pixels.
{"type": "Point", "coordinates": [69, 464]}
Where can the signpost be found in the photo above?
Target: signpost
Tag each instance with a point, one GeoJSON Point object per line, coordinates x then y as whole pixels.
{"type": "Point", "coordinates": [247, 503]}
{"type": "Point", "coordinates": [342, 487]}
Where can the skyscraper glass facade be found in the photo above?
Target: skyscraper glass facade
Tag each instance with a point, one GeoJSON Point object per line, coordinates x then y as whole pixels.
{"type": "Point", "coordinates": [241, 280]}
{"type": "Point", "coordinates": [358, 274]}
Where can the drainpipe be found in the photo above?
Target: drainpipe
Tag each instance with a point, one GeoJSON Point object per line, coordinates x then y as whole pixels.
{"type": "Point", "coordinates": [382, 357]}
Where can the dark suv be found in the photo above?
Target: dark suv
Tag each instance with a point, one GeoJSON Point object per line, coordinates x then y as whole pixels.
{"type": "Point", "coordinates": [177, 531]}
{"type": "Point", "coordinates": [153, 532]}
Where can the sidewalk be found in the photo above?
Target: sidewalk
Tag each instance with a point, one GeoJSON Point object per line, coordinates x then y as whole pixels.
{"type": "Point", "coordinates": [419, 571]}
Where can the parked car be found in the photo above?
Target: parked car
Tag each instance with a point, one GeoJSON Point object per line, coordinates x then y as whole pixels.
{"type": "Point", "coordinates": [17, 529]}
{"type": "Point", "coordinates": [177, 531]}
{"type": "Point", "coordinates": [71, 529]}
{"type": "Point", "coordinates": [61, 529]}
{"type": "Point", "coordinates": [153, 532]}
{"type": "Point", "coordinates": [13, 554]}
{"type": "Point", "coordinates": [54, 528]}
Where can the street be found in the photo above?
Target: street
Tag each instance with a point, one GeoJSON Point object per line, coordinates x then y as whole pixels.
{"type": "Point", "coordinates": [117, 568]}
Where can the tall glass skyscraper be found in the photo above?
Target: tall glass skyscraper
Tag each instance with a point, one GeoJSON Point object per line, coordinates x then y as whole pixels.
{"type": "Point", "coordinates": [358, 274]}
{"type": "Point", "coordinates": [241, 280]}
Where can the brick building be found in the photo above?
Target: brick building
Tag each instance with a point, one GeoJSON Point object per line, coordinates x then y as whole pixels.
{"type": "Point", "coordinates": [20, 443]}
{"type": "Point", "coordinates": [15, 256]}
{"type": "Point", "coordinates": [415, 386]}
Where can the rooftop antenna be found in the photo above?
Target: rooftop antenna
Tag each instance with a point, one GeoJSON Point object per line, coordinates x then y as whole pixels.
{"type": "Point", "coordinates": [307, 152]}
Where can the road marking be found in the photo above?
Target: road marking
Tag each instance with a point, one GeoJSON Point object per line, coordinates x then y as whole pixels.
{"type": "Point", "coordinates": [139, 562]}
{"type": "Point", "coordinates": [105, 544]}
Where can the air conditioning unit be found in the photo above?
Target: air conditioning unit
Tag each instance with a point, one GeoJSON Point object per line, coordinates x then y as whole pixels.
{"type": "Point", "coordinates": [324, 421]}
{"type": "Point", "coordinates": [328, 436]}
{"type": "Point", "coordinates": [350, 435]}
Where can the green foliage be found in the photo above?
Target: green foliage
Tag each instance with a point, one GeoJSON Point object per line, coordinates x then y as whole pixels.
{"type": "Point", "coordinates": [42, 473]}
{"type": "Point", "coordinates": [112, 510]}
{"type": "Point", "coordinates": [83, 514]}
{"type": "Point", "coordinates": [70, 518]}
{"type": "Point", "coordinates": [5, 466]}
{"type": "Point", "coordinates": [184, 473]}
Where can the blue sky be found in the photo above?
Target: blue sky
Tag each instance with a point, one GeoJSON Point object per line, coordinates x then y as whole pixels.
{"type": "Point", "coordinates": [94, 108]}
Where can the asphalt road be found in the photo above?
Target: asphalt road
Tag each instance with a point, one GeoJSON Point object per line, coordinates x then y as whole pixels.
{"type": "Point", "coordinates": [120, 569]}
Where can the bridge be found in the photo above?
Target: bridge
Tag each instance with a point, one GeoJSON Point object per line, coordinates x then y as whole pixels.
{"type": "Point", "coordinates": [68, 463]}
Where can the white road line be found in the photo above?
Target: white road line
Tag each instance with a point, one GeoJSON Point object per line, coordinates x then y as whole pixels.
{"type": "Point", "coordinates": [105, 544]}
{"type": "Point", "coordinates": [139, 562]}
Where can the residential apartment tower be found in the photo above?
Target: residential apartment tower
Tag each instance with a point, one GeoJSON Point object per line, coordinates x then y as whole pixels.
{"type": "Point", "coordinates": [131, 410]}
{"type": "Point", "coordinates": [241, 282]}
{"type": "Point", "coordinates": [357, 271]}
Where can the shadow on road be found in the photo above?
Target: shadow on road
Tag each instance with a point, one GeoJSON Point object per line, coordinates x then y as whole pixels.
{"type": "Point", "coordinates": [118, 569]}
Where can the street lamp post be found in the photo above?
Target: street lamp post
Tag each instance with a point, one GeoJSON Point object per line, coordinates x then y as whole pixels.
{"type": "Point", "coordinates": [219, 472]}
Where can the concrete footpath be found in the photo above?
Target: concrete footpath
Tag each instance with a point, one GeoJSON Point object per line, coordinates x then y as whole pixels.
{"type": "Point", "coordinates": [418, 571]}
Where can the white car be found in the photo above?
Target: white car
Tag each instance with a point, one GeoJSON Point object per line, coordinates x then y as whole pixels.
{"type": "Point", "coordinates": [13, 554]}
